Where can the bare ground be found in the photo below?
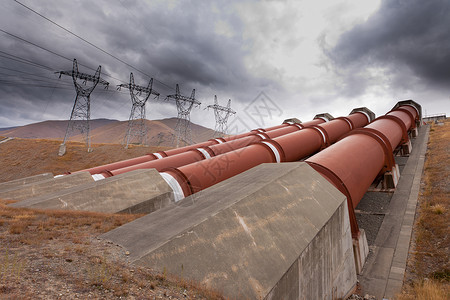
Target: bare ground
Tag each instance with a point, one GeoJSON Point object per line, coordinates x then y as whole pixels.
{"type": "Point", "coordinates": [428, 267]}
{"type": "Point", "coordinates": [56, 254]}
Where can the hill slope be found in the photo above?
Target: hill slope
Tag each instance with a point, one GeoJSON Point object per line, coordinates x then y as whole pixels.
{"type": "Point", "coordinates": [52, 129]}
{"type": "Point", "coordinates": [160, 132]}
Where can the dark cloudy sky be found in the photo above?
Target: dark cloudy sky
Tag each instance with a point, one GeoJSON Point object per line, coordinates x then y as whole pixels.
{"type": "Point", "coordinates": [307, 57]}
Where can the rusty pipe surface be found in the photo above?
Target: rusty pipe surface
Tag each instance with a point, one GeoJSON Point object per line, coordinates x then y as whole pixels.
{"type": "Point", "coordinates": [293, 146]}
{"type": "Point", "coordinates": [198, 176]}
{"type": "Point", "coordinates": [188, 157]}
{"type": "Point", "coordinates": [161, 154]}
{"type": "Point", "coordinates": [237, 143]}
{"type": "Point", "coordinates": [120, 164]}
{"type": "Point", "coordinates": [177, 160]}
{"type": "Point", "coordinates": [353, 163]}
{"type": "Point", "coordinates": [200, 153]}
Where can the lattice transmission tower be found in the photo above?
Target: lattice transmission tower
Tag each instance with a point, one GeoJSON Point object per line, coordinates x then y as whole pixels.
{"type": "Point", "coordinates": [136, 123]}
{"type": "Point", "coordinates": [221, 113]}
{"type": "Point", "coordinates": [184, 107]}
{"type": "Point", "coordinates": [81, 111]}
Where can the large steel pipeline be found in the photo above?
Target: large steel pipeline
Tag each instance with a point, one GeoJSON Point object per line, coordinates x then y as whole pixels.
{"type": "Point", "coordinates": [191, 178]}
{"type": "Point", "coordinates": [161, 154]}
{"type": "Point", "coordinates": [355, 161]}
{"type": "Point", "coordinates": [206, 152]}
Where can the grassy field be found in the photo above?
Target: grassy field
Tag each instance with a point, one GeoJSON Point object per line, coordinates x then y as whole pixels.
{"type": "Point", "coordinates": [56, 254]}
{"type": "Point", "coordinates": [26, 157]}
{"type": "Point", "coordinates": [428, 269]}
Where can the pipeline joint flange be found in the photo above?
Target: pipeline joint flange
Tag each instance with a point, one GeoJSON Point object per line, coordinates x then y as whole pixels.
{"type": "Point", "coordinates": [405, 137]}
{"type": "Point", "coordinates": [275, 149]}
{"type": "Point", "coordinates": [340, 185]}
{"type": "Point", "coordinates": [181, 179]}
{"type": "Point", "coordinates": [158, 155]}
{"type": "Point", "coordinates": [297, 125]}
{"type": "Point", "coordinates": [365, 111]}
{"type": "Point", "coordinates": [324, 134]}
{"type": "Point", "coordinates": [413, 119]}
{"type": "Point", "coordinates": [218, 140]}
{"type": "Point", "coordinates": [349, 122]}
{"type": "Point", "coordinates": [389, 161]}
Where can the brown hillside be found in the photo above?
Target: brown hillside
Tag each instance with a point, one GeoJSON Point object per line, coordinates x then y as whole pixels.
{"type": "Point", "coordinates": [26, 157]}
{"type": "Point", "coordinates": [48, 254]}
{"type": "Point", "coordinates": [48, 129]}
{"type": "Point", "coordinates": [160, 132]}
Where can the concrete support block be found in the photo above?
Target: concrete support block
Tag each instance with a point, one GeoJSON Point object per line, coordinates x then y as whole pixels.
{"type": "Point", "coordinates": [138, 191]}
{"type": "Point", "coordinates": [365, 111]}
{"type": "Point", "coordinates": [414, 132]}
{"type": "Point", "coordinates": [292, 120]}
{"type": "Point", "coordinates": [13, 184]}
{"type": "Point", "coordinates": [325, 116]}
{"type": "Point", "coordinates": [360, 250]}
{"type": "Point", "coordinates": [391, 178]}
{"type": "Point", "coordinates": [43, 187]}
{"type": "Point", "coordinates": [277, 231]}
{"type": "Point", "coordinates": [62, 150]}
{"type": "Point", "coordinates": [406, 148]}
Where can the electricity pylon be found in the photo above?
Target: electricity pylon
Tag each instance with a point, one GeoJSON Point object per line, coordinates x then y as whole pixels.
{"type": "Point", "coordinates": [184, 107]}
{"type": "Point", "coordinates": [221, 113]}
{"type": "Point", "coordinates": [81, 111]}
{"type": "Point", "coordinates": [136, 122]}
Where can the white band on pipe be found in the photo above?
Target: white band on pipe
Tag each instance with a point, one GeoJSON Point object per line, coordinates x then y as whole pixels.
{"type": "Point", "coordinates": [174, 185]}
{"type": "Point", "coordinates": [366, 114]}
{"type": "Point", "coordinates": [58, 176]}
{"type": "Point", "coordinates": [204, 152]}
{"type": "Point", "coordinates": [289, 122]}
{"type": "Point", "coordinates": [97, 177]}
{"type": "Point", "coordinates": [219, 141]}
{"type": "Point", "coordinates": [158, 156]}
{"type": "Point", "coordinates": [323, 134]}
{"type": "Point", "coordinates": [349, 124]}
{"type": "Point", "coordinates": [260, 130]}
{"type": "Point", "coordinates": [274, 150]}
{"type": "Point", "coordinates": [298, 125]}
{"type": "Point", "coordinates": [262, 136]}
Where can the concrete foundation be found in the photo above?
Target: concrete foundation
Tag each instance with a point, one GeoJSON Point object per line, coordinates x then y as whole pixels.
{"type": "Point", "coordinates": [277, 231]}
{"type": "Point", "coordinates": [139, 191]}
{"type": "Point", "coordinates": [292, 120]}
{"type": "Point", "coordinates": [391, 178]}
{"type": "Point", "coordinates": [13, 184]}
{"type": "Point", "coordinates": [406, 148]}
{"type": "Point", "coordinates": [42, 187]}
{"type": "Point", "coordinates": [360, 251]}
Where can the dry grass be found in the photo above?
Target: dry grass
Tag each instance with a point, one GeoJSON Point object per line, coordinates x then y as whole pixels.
{"type": "Point", "coordinates": [26, 157]}
{"type": "Point", "coordinates": [55, 254]}
{"type": "Point", "coordinates": [429, 264]}
{"type": "Point", "coordinates": [426, 290]}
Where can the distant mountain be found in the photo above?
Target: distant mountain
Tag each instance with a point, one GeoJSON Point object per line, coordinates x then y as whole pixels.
{"type": "Point", "coordinates": [160, 132]}
{"type": "Point", "coordinates": [7, 128]}
{"type": "Point", "coordinates": [48, 129]}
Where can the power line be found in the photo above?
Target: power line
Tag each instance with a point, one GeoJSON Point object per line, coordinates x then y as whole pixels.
{"type": "Point", "coordinates": [36, 45]}
{"type": "Point", "coordinates": [4, 82]}
{"type": "Point", "coordinates": [52, 52]}
{"type": "Point", "coordinates": [91, 44]}
{"type": "Point", "coordinates": [25, 61]}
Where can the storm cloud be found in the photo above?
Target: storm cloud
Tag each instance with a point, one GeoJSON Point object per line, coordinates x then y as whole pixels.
{"type": "Point", "coordinates": [307, 57]}
{"type": "Point", "coordinates": [408, 41]}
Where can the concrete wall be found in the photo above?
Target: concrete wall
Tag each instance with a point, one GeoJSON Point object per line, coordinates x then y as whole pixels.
{"type": "Point", "coordinates": [139, 191]}
{"type": "Point", "coordinates": [42, 187]}
{"type": "Point", "coordinates": [277, 231]}
{"type": "Point", "coordinates": [4, 186]}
